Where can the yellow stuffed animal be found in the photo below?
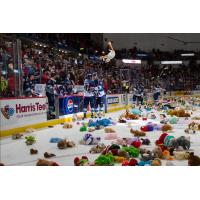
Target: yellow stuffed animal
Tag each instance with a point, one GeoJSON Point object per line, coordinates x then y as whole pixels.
{"type": "Point", "coordinates": [119, 159]}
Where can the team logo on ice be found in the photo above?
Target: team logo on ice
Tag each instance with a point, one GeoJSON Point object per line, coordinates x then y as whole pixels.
{"type": "Point", "coordinates": [70, 105]}
{"type": "Point", "coordinates": [7, 112]}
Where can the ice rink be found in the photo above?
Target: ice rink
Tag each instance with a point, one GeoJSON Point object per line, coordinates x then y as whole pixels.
{"type": "Point", "coordinates": [16, 152]}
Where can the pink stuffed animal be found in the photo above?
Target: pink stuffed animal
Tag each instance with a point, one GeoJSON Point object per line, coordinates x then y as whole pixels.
{"type": "Point", "coordinates": [111, 136]}
{"type": "Point", "coordinates": [120, 141]}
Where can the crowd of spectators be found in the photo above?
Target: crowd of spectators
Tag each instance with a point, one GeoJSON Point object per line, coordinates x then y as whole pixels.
{"type": "Point", "coordinates": [172, 78]}
{"type": "Point", "coordinates": [68, 68]}
{"type": "Point", "coordinates": [41, 63]}
{"type": "Point", "coordinates": [154, 54]}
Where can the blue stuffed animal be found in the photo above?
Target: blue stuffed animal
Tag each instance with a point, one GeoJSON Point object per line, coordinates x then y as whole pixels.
{"type": "Point", "coordinates": [88, 139]}
{"type": "Point", "coordinates": [55, 140]}
{"type": "Point", "coordinates": [144, 163]}
{"type": "Point", "coordinates": [136, 111]}
{"type": "Point", "coordinates": [102, 122]}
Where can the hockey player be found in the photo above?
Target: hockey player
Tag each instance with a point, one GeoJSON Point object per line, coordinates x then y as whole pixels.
{"type": "Point", "coordinates": [69, 84]}
{"type": "Point", "coordinates": [88, 95]}
{"type": "Point", "coordinates": [138, 93]}
{"type": "Point", "coordinates": [156, 93]}
{"type": "Point", "coordinates": [99, 96]}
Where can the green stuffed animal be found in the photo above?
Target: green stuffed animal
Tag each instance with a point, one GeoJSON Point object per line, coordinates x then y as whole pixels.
{"type": "Point", "coordinates": [132, 151]}
{"type": "Point", "coordinates": [83, 128]}
{"type": "Point", "coordinates": [173, 120]}
{"type": "Point", "coordinates": [30, 140]}
{"type": "Point", "coordinates": [105, 160]}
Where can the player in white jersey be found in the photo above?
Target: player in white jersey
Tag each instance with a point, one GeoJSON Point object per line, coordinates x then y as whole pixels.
{"type": "Point", "coordinates": [88, 95]}
{"type": "Point", "coordinates": [99, 97]}
{"type": "Point", "coordinates": [156, 93]}
{"type": "Point", "coordinates": [138, 94]}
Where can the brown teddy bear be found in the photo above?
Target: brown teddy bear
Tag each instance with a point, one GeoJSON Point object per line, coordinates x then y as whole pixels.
{"type": "Point", "coordinates": [121, 120]}
{"type": "Point", "coordinates": [17, 136]}
{"type": "Point", "coordinates": [63, 144]}
{"type": "Point", "coordinates": [181, 155]}
{"type": "Point", "coordinates": [178, 113]}
{"type": "Point", "coordinates": [166, 127]}
{"type": "Point", "coordinates": [98, 148]}
{"type": "Point", "coordinates": [157, 152]}
{"type": "Point", "coordinates": [42, 162]}
{"type": "Point", "coordinates": [156, 162]}
{"type": "Point", "coordinates": [33, 151]}
{"type": "Point", "coordinates": [67, 125]}
{"type": "Point", "coordinates": [109, 130]}
{"type": "Point", "coordinates": [192, 128]}
{"type": "Point", "coordinates": [193, 160]}
{"type": "Point", "coordinates": [91, 129]}
{"type": "Point", "coordinates": [137, 133]}
{"type": "Point", "coordinates": [166, 155]}
{"type": "Point", "coordinates": [48, 155]}
{"type": "Point", "coordinates": [128, 115]}
{"type": "Point", "coordinates": [194, 125]}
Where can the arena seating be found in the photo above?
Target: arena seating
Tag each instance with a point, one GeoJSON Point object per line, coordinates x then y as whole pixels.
{"type": "Point", "coordinates": [56, 58]}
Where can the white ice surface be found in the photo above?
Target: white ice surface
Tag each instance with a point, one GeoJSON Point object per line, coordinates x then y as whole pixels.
{"type": "Point", "coordinates": [16, 152]}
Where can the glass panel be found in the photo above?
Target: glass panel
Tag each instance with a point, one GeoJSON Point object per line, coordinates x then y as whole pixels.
{"type": "Point", "coordinates": [6, 67]}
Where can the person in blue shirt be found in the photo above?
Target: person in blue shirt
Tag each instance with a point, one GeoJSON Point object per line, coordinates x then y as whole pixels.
{"type": "Point", "coordinates": [88, 97]}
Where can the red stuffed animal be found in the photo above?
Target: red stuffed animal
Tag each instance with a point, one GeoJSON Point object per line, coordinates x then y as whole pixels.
{"type": "Point", "coordinates": [160, 141]}
{"type": "Point", "coordinates": [131, 162]}
{"type": "Point", "coordinates": [136, 143]}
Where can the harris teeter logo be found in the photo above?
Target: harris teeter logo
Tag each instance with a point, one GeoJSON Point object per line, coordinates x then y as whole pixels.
{"type": "Point", "coordinates": [7, 111]}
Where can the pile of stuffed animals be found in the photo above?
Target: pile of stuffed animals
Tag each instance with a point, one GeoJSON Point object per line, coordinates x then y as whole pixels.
{"type": "Point", "coordinates": [127, 151]}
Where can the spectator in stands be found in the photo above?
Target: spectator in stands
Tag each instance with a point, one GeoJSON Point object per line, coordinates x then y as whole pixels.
{"type": "Point", "coordinates": [45, 77]}
{"type": "Point", "coordinates": [69, 83]}
{"type": "Point", "coordinates": [50, 60]}
{"type": "Point", "coordinates": [29, 86]}
{"type": "Point", "coordinates": [3, 86]}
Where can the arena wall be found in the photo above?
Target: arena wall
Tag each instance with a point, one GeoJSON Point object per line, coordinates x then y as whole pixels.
{"type": "Point", "coordinates": [36, 117]}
